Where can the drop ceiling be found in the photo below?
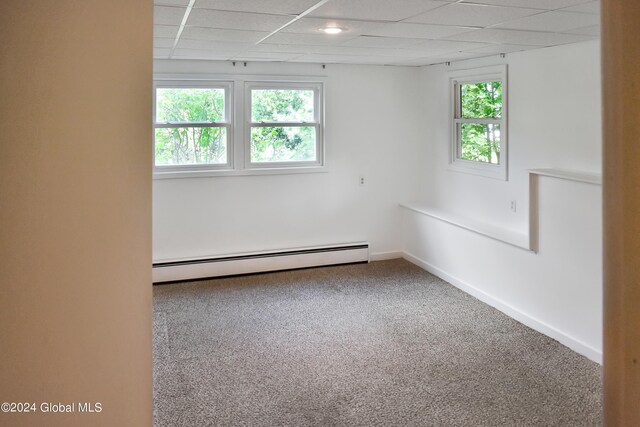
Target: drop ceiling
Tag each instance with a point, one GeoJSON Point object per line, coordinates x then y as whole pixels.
{"type": "Point", "coordinates": [383, 32]}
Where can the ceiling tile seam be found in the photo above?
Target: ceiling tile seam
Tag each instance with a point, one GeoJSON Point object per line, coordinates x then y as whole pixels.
{"type": "Point", "coordinates": [303, 14]}
{"type": "Point", "coordinates": [187, 12]}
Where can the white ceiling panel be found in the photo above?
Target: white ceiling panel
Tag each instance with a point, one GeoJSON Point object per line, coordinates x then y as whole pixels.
{"type": "Point", "coordinates": [383, 42]}
{"type": "Point", "coordinates": [162, 31]}
{"type": "Point", "coordinates": [418, 31]}
{"type": "Point", "coordinates": [236, 20]}
{"type": "Point", "coordinates": [533, 4]}
{"type": "Point", "coordinates": [471, 15]}
{"type": "Point", "coordinates": [591, 7]}
{"type": "Point", "coordinates": [217, 46]}
{"type": "Point", "coordinates": [313, 25]}
{"type": "Point", "coordinates": [376, 10]}
{"type": "Point", "coordinates": [161, 53]}
{"type": "Point", "coordinates": [310, 39]}
{"type": "Point", "coordinates": [439, 47]}
{"type": "Point", "coordinates": [496, 49]}
{"type": "Point", "coordinates": [163, 15]}
{"type": "Point", "coordinates": [161, 42]}
{"type": "Point", "coordinates": [282, 7]}
{"type": "Point", "coordinates": [214, 34]}
{"type": "Point", "coordinates": [266, 56]}
{"type": "Point", "coordinates": [530, 38]}
{"type": "Point", "coordinates": [182, 3]}
{"type": "Point", "coordinates": [552, 21]}
{"type": "Point", "coordinates": [593, 30]}
{"type": "Point", "coordinates": [431, 31]}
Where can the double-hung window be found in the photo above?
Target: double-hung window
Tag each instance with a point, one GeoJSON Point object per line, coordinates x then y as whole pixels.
{"type": "Point", "coordinates": [283, 125]}
{"type": "Point", "coordinates": [479, 143]}
{"type": "Point", "coordinates": [193, 130]}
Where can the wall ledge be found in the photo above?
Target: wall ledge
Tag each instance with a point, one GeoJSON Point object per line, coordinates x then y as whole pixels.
{"type": "Point", "coordinates": [511, 237]}
{"type": "Point", "coordinates": [578, 176]}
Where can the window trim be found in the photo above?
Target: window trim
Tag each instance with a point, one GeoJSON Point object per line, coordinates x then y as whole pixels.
{"type": "Point", "coordinates": [318, 123]}
{"type": "Point", "coordinates": [228, 124]}
{"type": "Point", "coordinates": [477, 75]}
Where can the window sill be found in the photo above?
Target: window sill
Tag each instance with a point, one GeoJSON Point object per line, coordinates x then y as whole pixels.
{"type": "Point", "coordinates": [237, 172]}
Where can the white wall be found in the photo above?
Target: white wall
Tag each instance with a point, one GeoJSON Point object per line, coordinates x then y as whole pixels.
{"type": "Point", "coordinates": [554, 119]}
{"type": "Point", "coordinates": [371, 129]}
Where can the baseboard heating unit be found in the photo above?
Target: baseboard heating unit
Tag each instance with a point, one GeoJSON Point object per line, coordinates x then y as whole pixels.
{"type": "Point", "coordinates": [257, 262]}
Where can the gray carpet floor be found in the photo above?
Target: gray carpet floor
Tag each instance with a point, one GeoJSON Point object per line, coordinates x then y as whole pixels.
{"type": "Point", "coordinates": [380, 344]}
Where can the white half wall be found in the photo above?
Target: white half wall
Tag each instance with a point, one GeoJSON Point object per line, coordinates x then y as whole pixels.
{"type": "Point", "coordinates": [555, 118]}
{"type": "Point", "coordinates": [372, 116]}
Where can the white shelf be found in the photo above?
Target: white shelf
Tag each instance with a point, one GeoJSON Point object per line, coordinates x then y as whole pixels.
{"type": "Point", "coordinates": [514, 238]}
{"type": "Point", "coordinates": [586, 177]}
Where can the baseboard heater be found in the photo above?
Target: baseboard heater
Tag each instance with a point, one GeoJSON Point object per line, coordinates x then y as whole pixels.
{"type": "Point", "coordinates": [257, 262]}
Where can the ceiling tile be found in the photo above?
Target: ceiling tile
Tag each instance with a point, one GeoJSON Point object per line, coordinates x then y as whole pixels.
{"type": "Point", "coordinates": [236, 20]}
{"type": "Point", "coordinates": [495, 49]}
{"type": "Point", "coordinates": [200, 54]}
{"type": "Point", "coordinates": [169, 31]}
{"type": "Point", "coordinates": [163, 15]}
{"type": "Point", "coordinates": [161, 42]}
{"type": "Point", "coordinates": [471, 15]}
{"type": "Point", "coordinates": [183, 3]}
{"type": "Point", "coordinates": [457, 56]}
{"type": "Point", "coordinates": [344, 59]}
{"type": "Point", "coordinates": [283, 7]}
{"type": "Point", "coordinates": [211, 45]}
{"type": "Point", "coordinates": [532, 38]}
{"type": "Point", "coordinates": [310, 39]}
{"type": "Point", "coordinates": [383, 42]}
{"type": "Point", "coordinates": [162, 53]}
{"type": "Point", "coordinates": [591, 7]}
{"type": "Point", "coordinates": [592, 30]}
{"type": "Point", "coordinates": [552, 21]}
{"type": "Point", "coordinates": [377, 10]}
{"type": "Point", "coordinates": [266, 56]}
{"type": "Point", "coordinates": [418, 31]}
{"type": "Point", "coordinates": [214, 34]}
{"type": "Point", "coordinates": [534, 4]}
{"type": "Point", "coordinates": [438, 47]}
{"type": "Point", "coordinates": [313, 25]}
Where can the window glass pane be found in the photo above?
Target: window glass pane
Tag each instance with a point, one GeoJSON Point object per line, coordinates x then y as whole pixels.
{"type": "Point", "coordinates": [191, 146]}
{"type": "Point", "coordinates": [283, 144]}
{"type": "Point", "coordinates": [282, 105]}
{"type": "Point", "coordinates": [479, 142]}
{"type": "Point", "coordinates": [189, 105]}
{"type": "Point", "coordinates": [481, 100]}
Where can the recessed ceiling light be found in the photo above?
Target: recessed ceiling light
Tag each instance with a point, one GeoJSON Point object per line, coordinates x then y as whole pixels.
{"type": "Point", "coordinates": [331, 30]}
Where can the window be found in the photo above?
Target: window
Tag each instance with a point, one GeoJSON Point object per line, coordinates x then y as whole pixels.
{"type": "Point", "coordinates": [479, 143]}
{"type": "Point", "coordinates": [209, 127]}
{"type": "Point", "coordinates": [192, 126]}
{"type": "Point", "coordinates": [284, 126]}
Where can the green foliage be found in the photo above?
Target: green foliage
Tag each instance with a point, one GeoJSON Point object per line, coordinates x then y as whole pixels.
{"type": "Point", "coordinates": [190, 145]}
{"type": "Point", "coordinates": [277, 143]}
{"type": "Point", "coordinates": [481, 100]}
{"type": "Point", "coordinates": [481, 141]}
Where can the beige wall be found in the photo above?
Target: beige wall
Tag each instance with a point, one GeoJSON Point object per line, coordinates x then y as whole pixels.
{"type": "Point", "coordinates": [621, 83]}
{"type": "Point", "coordinates": [75, 209]}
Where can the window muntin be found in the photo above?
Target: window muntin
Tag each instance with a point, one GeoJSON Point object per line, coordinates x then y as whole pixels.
{"type": "Point", "coordinates": [285, 127]}
{"type": "Point", "coordinates": [479, 121]}
{"type": "Point", "coordinates": [192, 126]}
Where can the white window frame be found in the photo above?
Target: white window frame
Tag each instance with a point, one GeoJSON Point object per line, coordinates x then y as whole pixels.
{"type": "Point", "coordinates": [227, 123]}
{"type": "Point", "coordinates": [478, 75]}
{"type": "Point", "coordinates": [317, 123]}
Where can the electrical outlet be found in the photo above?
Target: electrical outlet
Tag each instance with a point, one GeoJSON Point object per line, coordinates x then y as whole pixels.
{"type": "Point", "coordinates": [361, 180]}
{"type": "Point", "coordinates": [514, 206]}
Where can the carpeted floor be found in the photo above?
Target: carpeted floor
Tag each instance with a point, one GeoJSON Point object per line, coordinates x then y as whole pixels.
{"type": "Point", "coordinates": [380, 344]}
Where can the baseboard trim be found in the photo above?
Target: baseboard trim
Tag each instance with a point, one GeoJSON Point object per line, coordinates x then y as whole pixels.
{"type": "Point", "coordinates": [258, 262]}
{"type": "Point", "coordinates": [535, 324]}
{"type": "Point", "coordinates": [383, 256]}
